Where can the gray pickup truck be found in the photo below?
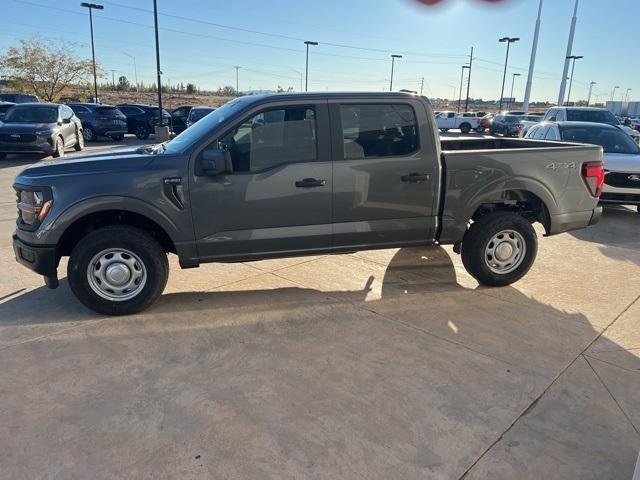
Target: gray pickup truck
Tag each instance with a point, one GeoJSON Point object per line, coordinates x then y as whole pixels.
{"type": "Point", "coordinates": [297, 174]}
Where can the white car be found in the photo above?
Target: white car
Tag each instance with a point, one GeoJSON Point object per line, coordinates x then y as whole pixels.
{"type": "Point", "coordinates": [588, 114]}
{"type": "Point", "coordinates": [452, 120]}
{"type": "Point", "coordinates": [621, 155]}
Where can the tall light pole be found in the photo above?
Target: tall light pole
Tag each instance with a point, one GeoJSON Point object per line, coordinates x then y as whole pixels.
{"type": "Point", "coordinates": [573, 66]}
{"type": "Point", "coordinates": [306, 82]}
{"type": "Point", "coordinates": [572, 31]}
{"type": "Point", "coordinates": [135, 69]}
{"type": "Point", "coordinates": [614, 92]}
{"type": "Point", "coordinates": [237, 67]}
{"type": "Point", "coordinates": [466, 102]}
{"type": "Point", "coordinates": [513, 81]}
{"type": "Point", "coordinates": [591, 84]}
{"type": "Point", "coordinates": [509, 41]}
{"type": "Point", "coordinates": [626, 95]}
{"type": "Point", "coordinates": [464, 67]}
{"type": "Point", "coordinates": [158, 71]}
{"type": "Point", "coordinates": [91, 6]}
{"type": "Point", "coordinates": [393, 61]}
{"type": "Point", "coordinates": [532, 62]}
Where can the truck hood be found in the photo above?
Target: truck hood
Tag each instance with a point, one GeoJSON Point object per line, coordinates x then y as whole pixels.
{"type": "Point", "coordinates": [621, 162]}
{"type": "Point", "coordinates": [97, 164]}
{"type": "Point", "coordinates": [26, 127]}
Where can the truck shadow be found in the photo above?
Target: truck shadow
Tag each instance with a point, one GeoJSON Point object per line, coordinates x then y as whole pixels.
{"type": "Point", "coordinates": [617, 232]}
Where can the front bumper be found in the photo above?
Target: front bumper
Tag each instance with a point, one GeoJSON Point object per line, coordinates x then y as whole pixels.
{"type": "Point", "coordinates": [41, 259]}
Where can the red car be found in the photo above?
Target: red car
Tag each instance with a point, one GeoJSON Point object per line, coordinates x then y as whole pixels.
{"type": "Point", "coordinates": [485, 122]}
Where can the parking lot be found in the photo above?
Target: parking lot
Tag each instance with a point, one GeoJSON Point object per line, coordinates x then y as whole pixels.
{"type": "Point", "coordinates": [381, 364]}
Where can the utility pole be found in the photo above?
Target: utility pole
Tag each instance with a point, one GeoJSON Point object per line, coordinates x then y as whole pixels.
{"type": "Point", "coordinates": [158, 75]}
{"type": "Point", "coordinates": [572, 31]}
{"type": "Point", "coordinates": [237, 67]}
{"type": "Point", "coordinates": [509, 41]}
{"type": "Point", "coordinates": [513, 81]}
{"type": "Point", "coordinates": [532, 62]}
{"type": "Point", "coordinates": [464, 67]}
{"type": "Point", "coordinates": [574, 58]}
{"type": "Point", "coordinates": [421, 86]}
{"type": "Point", "coordinates": [626, 96]}
{"type": "Point", "coordinates": [135, 69]}
{"type": "Point", "coordinates": [113, 78]}
{"type": "Point", "coordinates": [91, 6]}
{"type": "Point", "coordinates": [466, 103]}
{"type": "Point", "coordinates": [306, 82]}
{"type": "Point", "coordinates": [393, 61]}
{"type": "Point", "coordinates": [591, 84]}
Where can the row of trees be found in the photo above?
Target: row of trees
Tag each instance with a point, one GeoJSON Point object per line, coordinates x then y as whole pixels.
{"type": "Point", "coordinates": [53, 71]}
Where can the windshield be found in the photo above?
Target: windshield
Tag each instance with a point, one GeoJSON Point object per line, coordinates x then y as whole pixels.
{"type": "Point", "coordinates": [592, 116]}
{"type": "Point", "coordinates": [612, 140]}
{"type": "Point", "coordinates": [199, 113]}
{"type": "Point", "coordinates": [31, 114]}
{"type": "Point", "coordinates": [206, 125]}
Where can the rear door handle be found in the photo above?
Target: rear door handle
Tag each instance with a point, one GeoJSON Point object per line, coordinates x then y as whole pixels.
{"type": "Point", "coordinates": [416, 177]}
{"type": "Point", "coordinates": [310, 183]}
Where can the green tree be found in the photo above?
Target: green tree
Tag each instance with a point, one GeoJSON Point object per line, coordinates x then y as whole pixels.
{"type": "Point", "coordinates": [45, 68]}
{"type": "Point", "coordinates": [123, 84]}
{"type": "Point", "coordinates": [191, 88]}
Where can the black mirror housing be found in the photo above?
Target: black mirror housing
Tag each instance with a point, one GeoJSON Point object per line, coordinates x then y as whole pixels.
{"type": "Point", "coordinates": [214, 162]}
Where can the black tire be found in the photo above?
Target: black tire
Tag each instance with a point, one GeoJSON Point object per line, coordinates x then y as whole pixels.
{"type": "Point", "coordinates": [79, 146]}
{"type": "Point", "coordinates": [479, 237]}
{"type": "Point", "coordinates": [465, 128]}
{"type": "Point", "coordinates": [118, 138]}
{"type": "Point", "coordinates": [58, 151]}
{"type": "Point", "coordinates": [142, 132]}
{"type": "Point", "coordinates": [151, 255]}
{"type": "Point", "coordinates": [89, 134]}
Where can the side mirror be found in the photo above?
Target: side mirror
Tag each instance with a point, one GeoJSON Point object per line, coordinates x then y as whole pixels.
{"type": "Point", "coordinates": [214, 162]}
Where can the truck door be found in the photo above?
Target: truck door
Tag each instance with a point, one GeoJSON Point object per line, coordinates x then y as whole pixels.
{"type": "Point", "coordinates": [278, 195]}
{"type": "Point", "coordinates": [385, 173]}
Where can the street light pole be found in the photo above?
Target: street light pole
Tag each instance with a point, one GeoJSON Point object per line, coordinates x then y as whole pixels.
{"type": "Point", "coordinates": [513, 81]}
{"type": "Point", "coordinates": [573, 66]}
{"type": "Point", "coordinates": [626, 96]}
{"type": "Point", "coordinates": [532, 62]}
{"type": "Point", "coordinates": [237, 67]}
{"type": "Point", "coordinates": [460, 90]}
{"type": "Point", "coordinates": [466, 103]}
{"type": "Point", "coordinates": [158, 71]}
{"type": "Point", "coordinates": [306, 82]}
{"type": "Point", "coordinates": [393, 60]}
{"type": "Point", "coordinates": [509, 41]}
{"type": "Point", "coordinates": [591, 84]}
{"type": "Point", "coordinates": [614, 92]}
{"type": "Point", "coordinates": [135, 69]}
{"type": "Point", "coordinates": [572, 31]}
{"type": "Point", "coordinates": [91, 6]}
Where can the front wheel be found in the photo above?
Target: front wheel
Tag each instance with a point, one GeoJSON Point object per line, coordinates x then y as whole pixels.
{"type": "Point", "coordinates": [142, 132]}
{"type": "Point", "coordinates": [118, 270]}
{"type": "Point", "coordinates": [58, 149]}
{"type": "Point", "coordinates": [499, 248]}
{"type": "Point", "coordinates": [79, 142]}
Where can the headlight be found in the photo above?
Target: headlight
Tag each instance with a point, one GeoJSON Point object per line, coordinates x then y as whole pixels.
{"type": "Point", "coordinates": [33, 206]}
{"type": "Point", "coordinates": [44, 132]}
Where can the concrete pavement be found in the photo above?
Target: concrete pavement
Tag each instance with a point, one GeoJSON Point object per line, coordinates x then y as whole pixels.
{"type": "Point", "coordinates": [381, 364]}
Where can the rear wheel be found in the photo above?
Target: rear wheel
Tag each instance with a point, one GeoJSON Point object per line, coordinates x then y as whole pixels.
{"type": "Point", "coordinates": [79, 141]}
{"type": "Point", "coordinates": [499, 248]}
{"type": "Point", "coordinates": [58, 149]}
{"type": "Point", "coordinates": [118, 270]}
{"type": "Point", "coordinates": [465, 128]}
{"type": "Point", "coordinates": [89, 134]}
{"type": "Point", "coordinates": [142, 132]}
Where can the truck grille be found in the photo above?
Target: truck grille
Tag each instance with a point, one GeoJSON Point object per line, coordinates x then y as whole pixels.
{"type": "Point", "coordinates": [17, 138]}
{"type": "Point", "coordinates": [622, 180]}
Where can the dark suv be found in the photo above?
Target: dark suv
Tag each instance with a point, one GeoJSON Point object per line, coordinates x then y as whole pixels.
{"type": "Point", "coordinates": [100, 120]}
{"type": "Point", "coordinates": [47, 128]}
{"type": "Point", "coordinates": [18, 98]}
{"type": "Point", "coordinates": [142, 119]}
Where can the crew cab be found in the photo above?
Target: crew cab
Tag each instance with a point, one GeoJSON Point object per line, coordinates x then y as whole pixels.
{"type": "Point", "coordinates": [297, 174]}
{"type": "Point", "coordinates": [452, 120]}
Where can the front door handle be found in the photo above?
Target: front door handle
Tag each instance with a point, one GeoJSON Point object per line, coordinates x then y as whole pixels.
{"type": "Point", "coordinates": [416, 177]}
{"type": "Point", "coordinates": [310, 183]}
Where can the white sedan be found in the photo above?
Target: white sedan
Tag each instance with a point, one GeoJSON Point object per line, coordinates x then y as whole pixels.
{"type": "Point", "coordinates": [621, 155]}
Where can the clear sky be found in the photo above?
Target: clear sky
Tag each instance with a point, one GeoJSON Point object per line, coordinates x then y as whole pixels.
{"type": "Point", "coordinates": [201, 41]}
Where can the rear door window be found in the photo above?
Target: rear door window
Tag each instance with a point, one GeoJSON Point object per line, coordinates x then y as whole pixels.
{"type": "Point", "coordinates": [384, 130]}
